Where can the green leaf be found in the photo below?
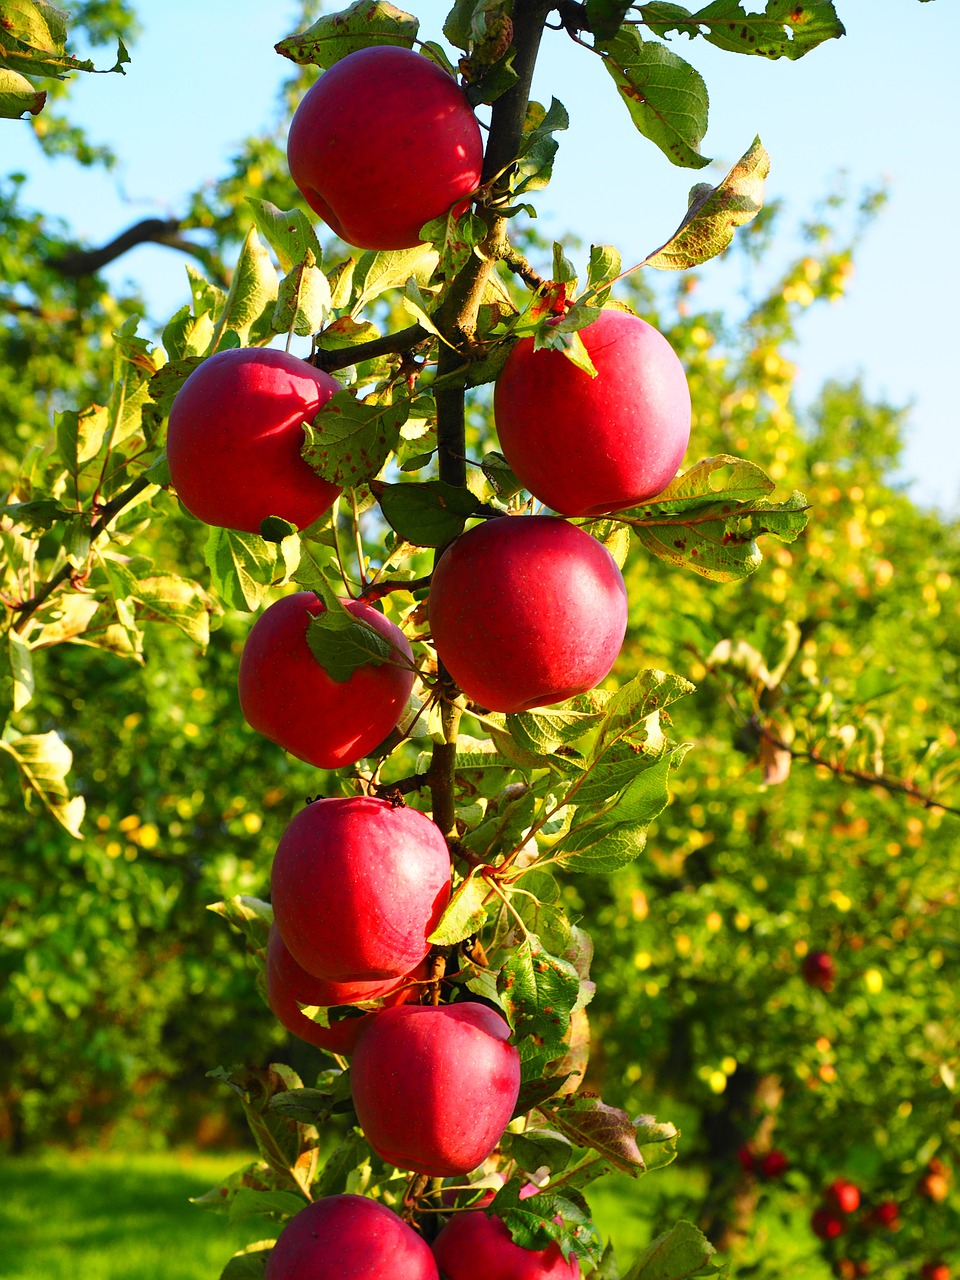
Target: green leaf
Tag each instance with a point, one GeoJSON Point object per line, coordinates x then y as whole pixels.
{"type": "Point", "coordinates": [605, 16]}
{"type": "Point", "coordinates": [349, 440]}
{"type": "Point", "coordinates": [590, 1122]}
{"type": "Point", "coordinates": [248, 1203]}
{"type": "Point", "coordinates": [500, 474]}
{"type": "Point", "coordinates": [21, 670]}
{"type": "Point", "coordinates": [187, 335]}
{"type": "Point", "coordinates": [538, 992]}
{"type": "Point", "coordinates": [43, 761]}
{"type": "Point", "coordinates": [335, 35]}
{"type": "Point", "coordinates": [629, 712]}
{"type": "Point", "coordinates": [253, 291]}
{"type": "Point", "coordinates": [80, 435]}
{"type": "Point", "coordinates": [538, 147]}
{"type": "Point", "coordinates": [679, 1254]}
{"type": "Point", "coordinates": [250, 1263]}
{"type": "Point", "coordinates": [464, 915]}
{"type": "Point", "coordinates": [376, 273]}
{"type": "Point", "coordinates": [342, 643]}
{"type": "Point", "coordinates": [538, 1220]}
{"type": "Point", "coordinates": [252, 916]}
{"type": "Point", "coordinates": [428, 514]}
{"type": "Point", "coordinates": [603, 268]}
{"type": "Point", "coordinates": [540, 1149]}
{"type": "Point", "coordinates": [289, 233]}
{"type": "Point", "coordinates": [35, 23]}
{"type": "Point", "coordinates": [784, 29]}
{"type": "Point", "coordinates": [715, 213]}
{"type": "Point", "coordinates": [18, 96]}
{"type": "Point", "coordinates": [303, 299]}
{"type": "Point", "coordinates": [541, 732]}
{"type": "Point", "coordinates": [166, 598]}
{"type": "Point", "coordinates": [352, 1152]}
{"type": "Point", "coordinates": [665, 96]}
{"type": "Point", "coordinates": [244, 567]}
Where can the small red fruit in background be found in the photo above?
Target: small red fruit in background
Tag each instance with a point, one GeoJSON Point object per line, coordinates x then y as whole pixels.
{"type": "Point", "coordinates": [588, 446]}
{"type": "Point", "coordinates": [843, 1195]}
{"type": "Point", "coordinates": [235, 435]}
{"type": "Point", "coordinates": [819, 969]}
{"type": "Point", "coordinates": [435, 1086]}
{"type": "Point", "coordinates": [935, 1271]}
{"type": "Point", "coordinates": [774, 1164]}
{"type": "Point", "coordinates": [527, 611]}
{"type": "Point", "coordinates": [826, 1224]}
{"type": "Point", "coordinates": [357, 888]}
{"type": "Point", "coordinates": [349, 1236]}
{"type": "Point", "coordinates": [287, 696]}
{"type": "Point", "coordinates": [887, 1214]}
{"type": "Point", "coordinates": [935, 1183]}
{"type": "Point", "coordinates": [382, 143]}
{"type": "Point", "coordinates": [475, 1246]}
{"type": "Point", "coordinates": [747, 1158]}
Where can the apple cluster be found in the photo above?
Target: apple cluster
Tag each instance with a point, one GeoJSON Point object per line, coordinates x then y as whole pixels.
{"type": "Point", "coordinates": [524, 610]}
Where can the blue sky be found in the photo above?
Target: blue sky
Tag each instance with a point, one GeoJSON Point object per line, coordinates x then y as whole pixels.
{"type": "Point", "coordinates": [877, 106]}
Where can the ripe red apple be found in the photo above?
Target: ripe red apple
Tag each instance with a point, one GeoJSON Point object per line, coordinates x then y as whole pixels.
{"type": "Point", "coordinates": [288, 697]}
{"type": "Point", "coordinates": [747, 1158]}
{"type": "Point", "coordinates": [588, 446]}
{"type": "Point", "coordinates": [887, 1214]}
{"type": "Point", "coordinates": [435, 1086]}
{"type": "Point", "coordinates": [473, 1246]}
{"type": "Point", "coordinates": [526, 611]}
{"type": "Point", "coordinates": [819, 969]}
{"type": "Point", "coordinates": [843, 1195]}
{"type": "Point", "coordinates": [358, 886]}
{"type": "Point", "coordinates": [289, 986]}
{"type": "Point", "coordinates": [382, 143]}
{"type": "Point", "coordinates": [935, 1271]}
{"type": "Point", "coordinates": [234, 439]}
{"type": "Point", "coordinates": [350, 1237]}
{"type": "Point", "coordinates": [826, 1224]}
{"type": "Point", "coordinates": [774, 1164]}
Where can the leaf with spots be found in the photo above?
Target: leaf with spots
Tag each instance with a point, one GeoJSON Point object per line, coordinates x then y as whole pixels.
{"type": "Point", "coordinates": [349, 440]}
{"type": "Point", "coordinates": [43, 761]}
{"type": "Point", "coordinates": [539, 992]}
{"type": "Point", "coordinates": [667, 98]}
{"type": "Point", "coordinates": [539, 1220]}
{"type": "Point", "coordinates": [709, 518]}
{"type": "Point", "coordinates": [335, 35]}
{"type": "Point", "coordinates": [715, 213]}
{"type": "Point", "coordinates": [785, 29]}
{"type": "Point", "coordinates": [632, 1146]}
{"type": "Point", "coordinates": [289, 233]}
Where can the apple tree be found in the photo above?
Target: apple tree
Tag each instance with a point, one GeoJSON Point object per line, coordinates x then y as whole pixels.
{"type": "Point", "coordinates": [448, 647]}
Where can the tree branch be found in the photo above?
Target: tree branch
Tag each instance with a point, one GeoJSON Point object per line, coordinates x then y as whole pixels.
{"type": "Point", "coordinates": [87, 262]}
{"type": "Point", "coordinates": [859, 776]}
{"type": "Point", "coordinates": [390, 344]}
{"type": "Point", "coordinates": [27, 608]}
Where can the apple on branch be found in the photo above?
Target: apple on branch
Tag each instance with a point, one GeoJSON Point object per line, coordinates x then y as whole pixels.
{"type": "Point", "coordinates": [235, 435]}
{"type": "Point", "coordinates": [478, 1246]}
{"type": "Point", "coordinates": [526, 611]}
{"type": "Point", "coordinates": [349, 1236]}
{"type": "Point", "coordinates": [586, 445]}
{"type": "Point", "coordinates": [358, 885]}
{"type": "Point", "coordinates": [382, 143]}
{"type": "Point", "coordinates": [287, 696]}
{"type": "Point", "coordinates": [434, 1087]}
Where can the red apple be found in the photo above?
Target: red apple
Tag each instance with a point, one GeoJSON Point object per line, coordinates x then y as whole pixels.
{"type": "Point", "coordinates": [526, 611]}
{"type": "Point", "coordinates": [382, 143]}
{"type": "Point", "coordinates": [933, 1271]}
{"type": "Point", "coordinates": [887, 1214]}
{"type": "Point", "coordinates": [357, 888]}
{"type": "Point", "coordinates": [774, 1164]}
{"type": "Point", "coordinates": [747, 1158]}
{"type": "Point", "coordinates": [843, 1195]}
{"type": "Point", "coordinates": [435, 1086]}
{"type": "Point", "coordinates": [818, 970]}
{"type": "Point", "coordinates": [473, 1246]}
{"type": "Point", "coordinates": [588, 446]}
{"type": "Point", "coordinates": [234, 439]}
{"type": "Point", "coordinates": [825, 1223]}
{"type": "Point", "coordinates": [352, 1238]}
{"type": "Point", "coordinates": [289, 986]}
{"type": "Point", "coordinates": [288, 697]}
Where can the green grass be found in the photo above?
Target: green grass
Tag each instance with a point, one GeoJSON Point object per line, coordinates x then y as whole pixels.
{"type": "Point", "coordinates": [114, 1217]}
{"type": "Point", "coordinates": [96, 1216]}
